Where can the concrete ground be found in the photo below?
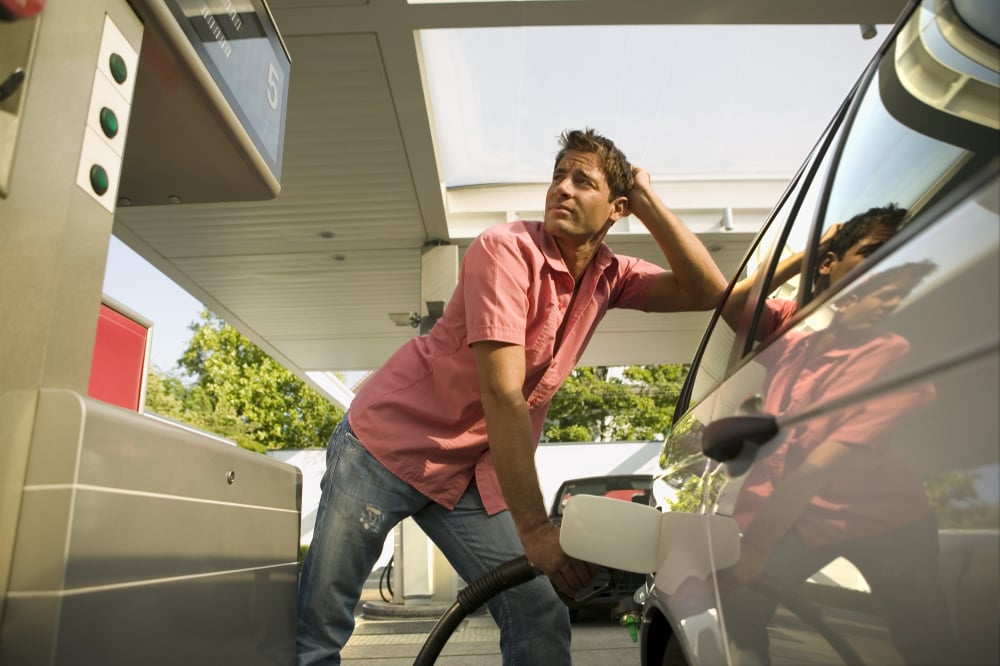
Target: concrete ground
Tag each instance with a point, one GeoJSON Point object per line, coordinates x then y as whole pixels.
{"type": "Point", "coordinates": [390, 635]}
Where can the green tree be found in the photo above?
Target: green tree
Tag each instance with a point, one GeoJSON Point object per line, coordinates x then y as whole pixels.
{"type": "Point", "coordinates": [595, 404]}
{"type": "Point", "coordinates": [239, 392]}
{"type": "Point", "coordinates": [167, 396]}
{"type": "Point", "coordinates": [957, 502]}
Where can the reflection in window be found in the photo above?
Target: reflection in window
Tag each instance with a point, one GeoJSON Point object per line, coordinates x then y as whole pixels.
{"type": "Point", "coordinates": [929, 116]}
{"type": "Point", "coordinates": [886, 162]}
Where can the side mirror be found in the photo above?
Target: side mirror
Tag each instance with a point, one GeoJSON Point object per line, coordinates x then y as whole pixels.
{"type": "Point", "coordinates": [723, 440]}
{"type": "Point", "coordinates": [631, 537]}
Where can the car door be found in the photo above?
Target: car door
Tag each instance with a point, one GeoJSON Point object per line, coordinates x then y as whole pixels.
{"type": "Point", "coordinates": [682, 604]}
{"type": "Point", "coordinates": [849, 411]}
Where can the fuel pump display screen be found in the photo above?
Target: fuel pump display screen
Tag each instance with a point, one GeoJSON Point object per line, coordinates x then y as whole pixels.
{"type": "Point", "coordinates": [240, 47]}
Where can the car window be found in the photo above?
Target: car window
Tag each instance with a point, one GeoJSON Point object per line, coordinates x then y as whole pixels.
{"type": "Point", "coordinates": [631, 488]}
{"type": "Point", "coordinates": [907, 145]}
{"type": "Point", "coordinates": [788, 256]}
{"type": "Point", "coordinates": [709, 368]}
{"type": "Point", "coordinates": [925, 124]}
{"type": "Point", "coordinates": [736, 313]}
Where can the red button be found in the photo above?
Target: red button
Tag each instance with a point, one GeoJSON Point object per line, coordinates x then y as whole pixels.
{"type": "Point", "coordinates": [20, 9]}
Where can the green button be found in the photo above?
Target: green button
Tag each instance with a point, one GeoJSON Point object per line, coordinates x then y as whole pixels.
{"type": "Point", "coordinates": [99, 179]}
{"type": "Point", "coordinates": [119, 70]}
{"type": "Point", "coordinates": [109, 122]}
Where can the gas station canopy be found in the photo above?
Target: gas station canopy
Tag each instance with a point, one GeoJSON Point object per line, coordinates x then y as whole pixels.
{"type": "Point", "coordinates": [417, 124]}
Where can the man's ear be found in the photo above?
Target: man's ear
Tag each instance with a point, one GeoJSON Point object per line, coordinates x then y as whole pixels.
{"type": "Point", "coordinates": [619, 208]}
{"type": "Point", "coordinates": [823, 269]}
{"type": "Point", "coordinates": [847, 301]}
{"type": "Point", "coordinates": [825, 265]}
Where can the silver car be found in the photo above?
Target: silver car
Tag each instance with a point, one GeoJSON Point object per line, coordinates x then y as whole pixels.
{"type": "Point", "coordinates": [841, 413]}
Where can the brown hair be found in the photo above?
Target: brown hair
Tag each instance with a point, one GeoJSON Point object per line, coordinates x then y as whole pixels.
{"type": "Point", "coordinates": [617, 170]}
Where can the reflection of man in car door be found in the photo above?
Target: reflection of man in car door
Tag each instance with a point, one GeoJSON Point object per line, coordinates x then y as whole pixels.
{"type": "Point", "coordinates": [842, 247]}
{"type": "Point", "coordinates": [834, 487]}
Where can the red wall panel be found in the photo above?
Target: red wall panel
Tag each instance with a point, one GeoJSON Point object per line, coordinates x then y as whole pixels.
{"type": "Point", "coordinates": [118, 369]}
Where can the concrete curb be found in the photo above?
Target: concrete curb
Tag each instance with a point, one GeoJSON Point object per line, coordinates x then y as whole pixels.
{"type": "Point", "coordinates": [380, 610]}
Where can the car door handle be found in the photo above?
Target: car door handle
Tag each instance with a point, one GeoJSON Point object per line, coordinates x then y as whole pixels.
{"type": "Point", "coordinates": [723, 440]}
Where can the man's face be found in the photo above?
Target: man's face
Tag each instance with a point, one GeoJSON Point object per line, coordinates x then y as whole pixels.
{"type": "Point", "coordinates": [577, 205]}
{"type": "Point", "coordinates": [835, 268]}
{"type": "Point", "coordinates": [869, 310]}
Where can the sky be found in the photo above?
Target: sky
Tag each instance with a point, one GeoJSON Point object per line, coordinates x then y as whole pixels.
{"type": "Point", "coordinates": [138, 285]}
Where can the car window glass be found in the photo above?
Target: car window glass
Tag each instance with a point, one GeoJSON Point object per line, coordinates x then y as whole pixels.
{"type": "Point", "coordinates": [909, 143]}
{"type": "Point", "coordinates": [631, 488]}
{"type": "Point", "coordinates": [717, 354]}
{"type": "Point", "coordinates": [714, 360]}
{"type": "Point", "coordinates": [788, 255]}
{"type": "Point", "coordinates": [927, 120]}
{"type": "Point", "coordinates": [711, 367]}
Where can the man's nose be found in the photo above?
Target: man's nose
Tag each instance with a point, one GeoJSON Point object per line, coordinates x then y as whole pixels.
{"type": "Point", "coordinates": [563, 186]}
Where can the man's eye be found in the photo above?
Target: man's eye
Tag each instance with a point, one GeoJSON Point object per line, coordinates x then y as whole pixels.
{"type": "Point", "coordinates": [867, 250]}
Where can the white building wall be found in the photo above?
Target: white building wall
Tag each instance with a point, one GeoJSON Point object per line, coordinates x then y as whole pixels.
{"type": "Point", "coordinates": [555, 463]}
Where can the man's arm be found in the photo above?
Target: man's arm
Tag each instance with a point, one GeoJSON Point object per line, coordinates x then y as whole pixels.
{"type": "Point", "coordinates": [508, 425]}
{"type": "Point", "coordinates": [732, 310]}
{"type": "Point", "coordinates": [787, 268]}
{"type": "Point", "coordinates": [694, 281]}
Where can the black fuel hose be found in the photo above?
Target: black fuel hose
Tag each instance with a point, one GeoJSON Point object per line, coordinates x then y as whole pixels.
{"type": "Point", "coordinates": [470, 599]}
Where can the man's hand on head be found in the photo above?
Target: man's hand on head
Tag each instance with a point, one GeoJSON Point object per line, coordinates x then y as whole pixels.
{"type": "Point", "coordinates": [641, 195]}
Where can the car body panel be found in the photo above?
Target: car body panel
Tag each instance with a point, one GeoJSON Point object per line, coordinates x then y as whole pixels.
{"type": "Point", "coordinates": [870, 523]}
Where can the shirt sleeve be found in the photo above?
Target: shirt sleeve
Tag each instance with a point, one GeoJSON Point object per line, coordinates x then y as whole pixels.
{"type": "Point", "coordinates": [494, 278]}
{"type": "Point", "coordinates": [633, 281]}
{"type": "Point", "coordinates": [866, 423]}
{"type": "Point", "coordinates": [776, 312]}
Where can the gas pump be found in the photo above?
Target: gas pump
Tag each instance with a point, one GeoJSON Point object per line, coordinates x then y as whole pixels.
{"type": "Point", "coordinates": [123, 538]}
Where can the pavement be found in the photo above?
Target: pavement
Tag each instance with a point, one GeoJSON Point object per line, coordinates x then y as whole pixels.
{"type": "Point", "coordinates": [393, 635]}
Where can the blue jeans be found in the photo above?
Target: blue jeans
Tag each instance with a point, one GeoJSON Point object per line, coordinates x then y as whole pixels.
{"type": "Point", "coordinates": [361, 503]}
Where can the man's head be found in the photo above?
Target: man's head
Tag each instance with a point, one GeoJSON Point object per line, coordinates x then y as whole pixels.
{"type": "Point", "coordinates": [878, 296]}
{"type": "Point", "coordinates": [588, 192]}
{"type": "Point", "coordinates": [855, 240]}
{"type": "Point", "coordinates": [614, 164]}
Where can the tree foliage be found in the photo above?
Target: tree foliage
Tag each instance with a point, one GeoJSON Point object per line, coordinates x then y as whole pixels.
{"type": "Point", "coordinates": [239, 392]}
{"type": "Point", "coordinates": [957, 502]}
{"type": "Point", "coordinates": [600, 405]}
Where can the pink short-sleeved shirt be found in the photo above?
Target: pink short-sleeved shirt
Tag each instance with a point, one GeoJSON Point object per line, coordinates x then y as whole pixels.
{"type": "Point", "coordinates": [421, 414]}
{"type": "Point", "coordinates": [874, 490]}
{"type": "Point", "coordinates": [776, 312]}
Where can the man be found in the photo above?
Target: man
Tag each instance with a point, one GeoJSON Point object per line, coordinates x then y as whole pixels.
{"type": "Point", "coordinates": [446, 430]}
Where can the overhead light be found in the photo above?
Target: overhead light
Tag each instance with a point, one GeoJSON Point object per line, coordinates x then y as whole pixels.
{"type": "Point", "coordinates": [405, 319]}
{"type": "Point", "coordinates": [868, 31]}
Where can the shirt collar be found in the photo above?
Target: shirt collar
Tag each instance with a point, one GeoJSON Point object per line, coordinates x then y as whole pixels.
{"type": "Point", "coordinates": [600, 261]}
